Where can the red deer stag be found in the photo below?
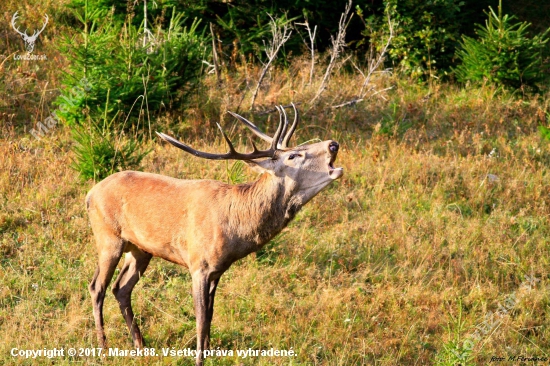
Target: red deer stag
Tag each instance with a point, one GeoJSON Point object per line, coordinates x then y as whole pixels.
{"type": "Point", "coordinates": [204, 225]}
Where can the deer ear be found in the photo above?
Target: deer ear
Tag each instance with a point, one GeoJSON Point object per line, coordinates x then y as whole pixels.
{"type": "Point", "coordinates": [260, 166]}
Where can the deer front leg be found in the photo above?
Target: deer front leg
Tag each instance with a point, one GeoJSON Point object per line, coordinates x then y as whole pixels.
{"type": "Point", "coordinates": [210, 310]}
{"type": "Point", "coordinates": [201, 287]}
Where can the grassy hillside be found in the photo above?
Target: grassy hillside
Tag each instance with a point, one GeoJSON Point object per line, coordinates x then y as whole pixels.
{"type": "Point", "coordinates": [439, 226]}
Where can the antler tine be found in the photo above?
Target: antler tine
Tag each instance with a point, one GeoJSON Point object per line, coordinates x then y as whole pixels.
{"type": "Point", "coordinates": [231, 147]}
{"type": "Point", "coordinates": [273, 140]}
{"type": "Point", "coordinates": [287, 137]}
{"type": "Point", "coordinates": [254, 147]}
{"type": "Point", "coordinates": [252, 127]}
{"type": "Point", "coordinates": [278, 133]}
{"type": "Point", "coordinates": [283, 119]}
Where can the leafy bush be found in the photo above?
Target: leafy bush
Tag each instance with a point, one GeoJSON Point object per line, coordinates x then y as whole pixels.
{"type": "Point", "coordinates": [117, 60]}
{"type": "Point", "coordinates": [248, 38]}
{"type": "Point", "coordinates": [425, 35]}
{"type": "Point", "coordinates": [101, 152]}
{"type": "Point", "coordinates": [503, 54]}
{"type": "Point", "coordinates": [129, 74]}
{"type": "Point", "coordinates": [241, 26]}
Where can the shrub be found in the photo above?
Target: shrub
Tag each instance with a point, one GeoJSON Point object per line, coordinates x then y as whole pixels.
{"type": "Point", "coordinates": [425, 35]}
{"type": "Point", "coordinates": [100, 152]}
{"type": "Point", "coordinates": [241, 26]}
{"type": "Point", "coordinates": [116, 60]}
{"type": "Point", "coordinates": [130, 74]}
{"type": "Point", "coordinates": [503, 54]}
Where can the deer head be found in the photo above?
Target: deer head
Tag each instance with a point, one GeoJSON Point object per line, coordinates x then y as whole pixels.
{"type": "Point", "coordinates": [29, 40]}
{"type": "Point", "coordinates": [304, 170]}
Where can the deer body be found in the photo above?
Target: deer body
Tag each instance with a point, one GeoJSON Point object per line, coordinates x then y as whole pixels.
{"type": "Point", "coordinates": [204, 225]}
{"type": "Point", "coordinates": [157, 220]}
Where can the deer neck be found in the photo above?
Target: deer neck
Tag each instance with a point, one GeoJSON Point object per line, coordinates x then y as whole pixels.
{"type": "Point", "coordinates": [269, 205]}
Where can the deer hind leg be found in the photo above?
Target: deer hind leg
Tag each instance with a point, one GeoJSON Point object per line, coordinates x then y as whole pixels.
{"type": "Point", "coordinates": [110, 249]}
{"type": "Point", "coordinates": [135, 264]}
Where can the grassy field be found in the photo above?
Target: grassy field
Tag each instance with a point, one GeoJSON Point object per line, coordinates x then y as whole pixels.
{"type": "Point", "coordinates": [432, 249]}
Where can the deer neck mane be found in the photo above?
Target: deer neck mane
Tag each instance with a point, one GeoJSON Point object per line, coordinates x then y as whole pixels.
{"type": "Point", "coordinates": [263, 208]}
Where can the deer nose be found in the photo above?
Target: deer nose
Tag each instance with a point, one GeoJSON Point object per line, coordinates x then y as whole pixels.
{"type": "Point", "coordinates": [333, 146]}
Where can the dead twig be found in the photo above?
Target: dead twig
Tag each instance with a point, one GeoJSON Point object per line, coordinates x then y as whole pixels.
{"type": "Point", "coordinates": [375, 63]}
{"type": "Point", "coordinates": [215, 56]}
{"type": "Point", "coordinates": [372, 68]}
{"type": "Point", "coordinates": [279, 36]}
{"type": "Point", "coordinates": [311, 47]}
{"type": "Point", "coordinates": [338, 44]}
{"type": "Point", "coordinates": [357, 100]}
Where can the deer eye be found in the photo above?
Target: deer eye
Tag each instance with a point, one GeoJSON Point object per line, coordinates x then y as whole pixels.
{"type": "Point", "coordinates": [292, 156]}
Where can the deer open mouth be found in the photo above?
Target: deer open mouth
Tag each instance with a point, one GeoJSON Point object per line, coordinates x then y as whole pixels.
{"type": "Point", "coordinates": [333, 172]}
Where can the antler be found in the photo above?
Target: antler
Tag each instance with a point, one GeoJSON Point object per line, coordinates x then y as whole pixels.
{"type": "Point", "coordinates": [278, 141]}
{"type": "Point", "coordinates": [13, 19]}
{"type": "Point", "coordinates": [285, 136]}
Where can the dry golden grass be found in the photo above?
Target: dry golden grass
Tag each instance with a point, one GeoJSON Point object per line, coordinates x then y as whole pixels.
{"type": "Point", "coordinates": [370, 271]}
{"type": "Point", "coordinates": [442, 212]}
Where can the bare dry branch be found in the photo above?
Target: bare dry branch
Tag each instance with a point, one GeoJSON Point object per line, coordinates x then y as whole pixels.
{"type": "Point", "coordinates": [215, 55]}
{"type": "Point", "coordinates": [279, 36]}
{"type": "Point", "coordinates": [338, 44]}
{"type": "Point", "coordinates": [357, 100]}
{"type": "Point", "coordinates": [311, 47]}
{"type": "Point", "coordinates": [375, 63]}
